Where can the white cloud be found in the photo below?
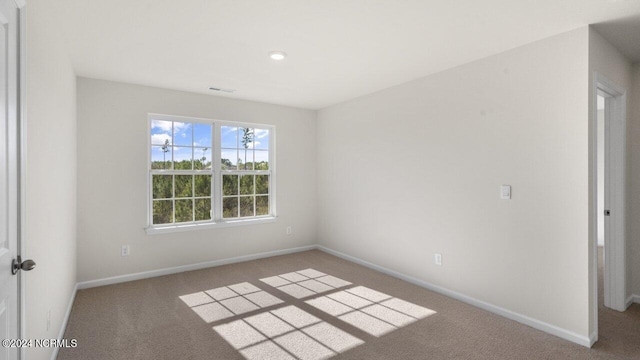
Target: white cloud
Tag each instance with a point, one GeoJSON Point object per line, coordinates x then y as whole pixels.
{"type": "Point", "coordinates": [200, 144]}
{"type": "Point", "coordinates": [228, 130]}
{"type": "Point", "coordinates": [165, 126]}
{"type": "Point", "coordinates": [261, 133]}
{"type": "Point", "coordinates": [182, 148]}
{"type": "Point", "coordinates": [159, 139]}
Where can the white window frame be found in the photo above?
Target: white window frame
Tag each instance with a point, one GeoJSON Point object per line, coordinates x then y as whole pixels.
{"type": "Point", "coordinates": [216, 176]}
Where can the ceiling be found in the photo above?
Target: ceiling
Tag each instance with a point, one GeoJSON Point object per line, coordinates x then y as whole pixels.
{"type": "Point", "coordinates": [624, 34]}
{"type": "Point", "coordinates": [337, 49]}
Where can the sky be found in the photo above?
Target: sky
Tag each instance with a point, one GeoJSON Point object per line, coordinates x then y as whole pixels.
{"type": "Point", "coordinates": [199, 136]}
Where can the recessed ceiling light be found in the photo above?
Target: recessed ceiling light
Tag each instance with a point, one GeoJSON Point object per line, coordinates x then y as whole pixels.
{"type": "Point", "coordinates": [277, 55]}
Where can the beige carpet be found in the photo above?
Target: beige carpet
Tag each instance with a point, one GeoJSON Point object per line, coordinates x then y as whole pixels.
{"type": "Point", "coordinates": [619, 333]}
{"type": "Point", "coordinates": [147, 319]}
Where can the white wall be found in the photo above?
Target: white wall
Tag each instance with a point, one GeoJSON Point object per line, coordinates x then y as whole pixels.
{"type": "Point", "coordinates": [607, 61]}
{"type": "Point", "coordinates": [112, 180]}
{"type": "Point", "coordinates": [50, 234]}
{"type": "Point", "coordinates": [634, 179]}
{"type": "Point", "coordinates": [415, 170]}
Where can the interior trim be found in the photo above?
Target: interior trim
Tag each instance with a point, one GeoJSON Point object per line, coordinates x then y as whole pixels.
{"type": "Point", "coordinates": [65, 320]}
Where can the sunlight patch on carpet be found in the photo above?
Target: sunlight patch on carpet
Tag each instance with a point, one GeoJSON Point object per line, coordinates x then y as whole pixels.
{"type": "Point", "coordinates": [289, 332]}
{"type": "Point", "coordinates": [227, 301]}
{"type": "Point", "coordinates": [286, 333]}
{"type": "Point", "coordinates": [369, 310]}
{"type": "Point", "coordinates": [305, 283]}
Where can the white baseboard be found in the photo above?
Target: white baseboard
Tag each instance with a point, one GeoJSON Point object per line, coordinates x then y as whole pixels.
{"type": "Point", "coordinates": [65, 320]}
{"type": "Point", "coordinates": [523, 319]}
{"type": "Point", "coordinates": [632, 299]}
{"type": "Point", "coordinates": [593, 338]}
{"type": "Point", "coordinates": [179, 269]}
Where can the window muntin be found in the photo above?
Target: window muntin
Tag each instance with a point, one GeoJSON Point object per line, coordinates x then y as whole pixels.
{"type": "Point", "coordinates": [245, 195]}
{"type": "Point", "coordinates": [187, 187]}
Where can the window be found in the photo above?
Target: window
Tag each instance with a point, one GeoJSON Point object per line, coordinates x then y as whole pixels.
{"type": "Point", "coordinates": [245, 182]}
{"type": "Point", "coordinates": [205, 172]}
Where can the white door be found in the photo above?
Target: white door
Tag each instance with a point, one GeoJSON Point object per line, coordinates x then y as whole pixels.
{"type": "Point", "coordinates": [9, 175]}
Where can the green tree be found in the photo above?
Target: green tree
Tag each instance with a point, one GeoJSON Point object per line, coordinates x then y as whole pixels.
{"type": "Point", "coordinates": [162, 212]}
{"type": "Point", "coordinates": [201, 163]}
{"type": "Point", "coordinates": [229, 185]}
{"type": "Point", "coordinates": [204, 158]}
{"type": "Point", "coordinates": [247, 138]}
{"type": "Point", "coordinates": [165, 150]}
{"type": "Point", "coordinates": [203, 209]}
{"type": "Point", "coordinates": [162, 186]}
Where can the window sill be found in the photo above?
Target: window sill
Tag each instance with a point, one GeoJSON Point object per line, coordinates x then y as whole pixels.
{"type": "Point", "coordinates": [154, 230]}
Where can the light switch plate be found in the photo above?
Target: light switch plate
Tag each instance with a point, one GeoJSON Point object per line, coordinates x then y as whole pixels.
{"type": "Point", "coordinates": [505, 192]}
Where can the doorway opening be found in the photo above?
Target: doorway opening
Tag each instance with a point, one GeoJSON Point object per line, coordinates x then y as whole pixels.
{"type": "Point", "coordinates": [615, 318]}
{"type": "Point", "coordinates": [609, 247]}
{"type": "Point", "coordinates": [600, 118]}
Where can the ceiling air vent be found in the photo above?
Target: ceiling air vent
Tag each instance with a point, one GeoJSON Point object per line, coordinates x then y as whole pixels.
{"type": "Point", "coordinates": [229, 91]}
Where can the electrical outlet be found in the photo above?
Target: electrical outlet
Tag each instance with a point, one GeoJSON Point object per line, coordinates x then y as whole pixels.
{"type": "Point", "coordinates": [437, 259]}
{"type": "Point", "coordinates": [125, 250]}
{"type": "Point", "coordinates": [289, 230]}
{"type": "Point", "coordinates": [505, 192]}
